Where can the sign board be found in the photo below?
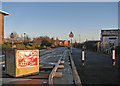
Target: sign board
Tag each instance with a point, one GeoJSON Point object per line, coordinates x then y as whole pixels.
{"type": "Point", "coordinates": [109, 32]}
{"type": "Point", "coordinates": [27, 58]}
{"type": "Point", "coordinates": [20, 62]}
{"type": "Point", "coordinates": [71, 34]}
{"type": "Point", "coordinates": [11, 35]}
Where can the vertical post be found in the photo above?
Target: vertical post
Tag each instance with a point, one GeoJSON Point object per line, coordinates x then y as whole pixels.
{"type": "Point", "coordinates": [113, 55]}
{"type": "Point", "coordinates": [12, 36]}
{"type": "Point", "coordinates": [98, 46]}
{"type": "Point", "coordinates": [71, 45]}
{"type": "Point", "coordinates": [71, 36]}
{"type": "Point", "coordinates": [83, 56]}
{"type": "Point", "coordinates": [79, 38]}
{"type": "Point", "coordinates": [24, 40]}
{"type": "Point", "coordinates": [79, 41]}
{"type": "Point", "coordinates": [24, 37]}
{"type": "Point", "coordinates": [12, 42]}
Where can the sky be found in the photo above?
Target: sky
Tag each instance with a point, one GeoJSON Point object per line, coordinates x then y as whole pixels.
{"type": "Point", "coordinates": [58, 19]}
{"type": "Point", "coordinates": [60, 0]}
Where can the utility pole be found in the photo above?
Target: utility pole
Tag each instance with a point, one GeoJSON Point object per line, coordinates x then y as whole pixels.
{"type": "Point", "coordinates": [79, 41]}
{"type": "Point", "coordinates": [79, 38]}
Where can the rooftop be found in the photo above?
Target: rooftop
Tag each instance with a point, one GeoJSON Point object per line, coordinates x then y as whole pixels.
{"type": "Point", "coordinates": [4, 13]}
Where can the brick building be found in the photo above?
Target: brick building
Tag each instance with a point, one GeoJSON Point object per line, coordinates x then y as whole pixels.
{"type": "Point", "coordinates": [2, 14]}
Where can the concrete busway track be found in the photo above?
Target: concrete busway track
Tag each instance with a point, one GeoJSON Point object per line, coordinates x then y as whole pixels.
{"type": "Point", "coordinates": [98, 68]}
{"type": "Point", "coordinates": [69, 75]}
{"type": "Point", "coordinates": [47, 63]}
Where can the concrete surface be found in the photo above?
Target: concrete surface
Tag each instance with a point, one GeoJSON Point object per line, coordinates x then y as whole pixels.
{"type": "Point", "coordinates": [98, 68]}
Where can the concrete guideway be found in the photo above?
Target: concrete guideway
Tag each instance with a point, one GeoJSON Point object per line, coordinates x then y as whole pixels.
{"type": "Point", "coordinates": [64, 74]}
{"type": "Point", "coordinates": [98, 68]}
{"type": "Point", "coordinates": [67, 73]}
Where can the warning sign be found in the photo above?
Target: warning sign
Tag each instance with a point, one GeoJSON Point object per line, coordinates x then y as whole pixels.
{"type": "Point", "coordinates": [27, 58]}
{"type": "Point", "coordinates": [71, 34]}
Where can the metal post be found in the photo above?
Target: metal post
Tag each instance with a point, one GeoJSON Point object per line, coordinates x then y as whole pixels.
{"type": "Point", "coordinates": [71, 45]}
{"type": "Point", "coordinates": [12, 43]}
{"type": "Point", "coordinates": [83, 56]}
{"type": "Point", "coordinates": [113, 55]}
{"type": "Point", "coordinates": [79, 41]}
{"type": "Point", "coordinates": [24, 40]}
{"type": "Point", "coordinates": [79, 38]}
{"type": "Point", "coordinates": [12, 36]}
{"type": "Point", "coordinates": [24, 37]}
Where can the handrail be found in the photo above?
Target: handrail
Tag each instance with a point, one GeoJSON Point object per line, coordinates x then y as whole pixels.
{"type": "Point", "coordinates": [52, 74]}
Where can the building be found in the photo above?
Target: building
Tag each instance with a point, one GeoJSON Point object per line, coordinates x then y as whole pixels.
{"type": "Point", "coordinates": [119, 37]}
{"type": "Point", "coordinates": [92, 45]}
{"type": "Point", "coordinates": [109, 37]}
{"type": "Point", "coordinates": [64, 43]}
{"type": "Point", "coordinates": [2, 14]}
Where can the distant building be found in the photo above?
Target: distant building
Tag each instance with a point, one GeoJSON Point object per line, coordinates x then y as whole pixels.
{"type": "Point", "coordinates": [57, 42]}
{"type": "Point", "coordinates": [64, 43]}
{"type": "Point", "coordinates": [2, 14]}
{"type": "Point", "coordinates": [93, 45]}
{"type": "Point", "coordinates": [118, 37]}
{"type": "Point", "coordinates": [7, 40]}
{"type": "Point", "coordinates": [109, 37]}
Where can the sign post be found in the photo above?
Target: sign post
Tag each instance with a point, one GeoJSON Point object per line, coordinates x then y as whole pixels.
{"type": "Point", "coordinates": [71, 36]}
{"type": "Point", "coordinates": [12, 36]}
{"type": "Point", "coordinates": [83, 56]}
{"type": "Point", "coordinates": [113, 54]}
{"type": "Point", "coordinates": [25, 40]}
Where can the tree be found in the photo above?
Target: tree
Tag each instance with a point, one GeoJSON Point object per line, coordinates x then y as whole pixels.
{"type": "Point", "coordinates": [45, 43]}
{"type": "Point", "coordinates": [52, 41]}
{"type": "Point", "coordinates": [57, 42]}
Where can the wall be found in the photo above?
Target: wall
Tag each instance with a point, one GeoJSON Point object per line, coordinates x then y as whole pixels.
{"type": "Point", "coordinates": [1, 28]}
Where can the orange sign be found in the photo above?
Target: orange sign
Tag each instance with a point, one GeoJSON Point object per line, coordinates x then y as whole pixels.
{"type": "Point", "coordinates": [27, 58]}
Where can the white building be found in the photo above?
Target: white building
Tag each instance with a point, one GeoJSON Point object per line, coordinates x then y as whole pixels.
{"type": "Point", "coordinates": [109, 37]}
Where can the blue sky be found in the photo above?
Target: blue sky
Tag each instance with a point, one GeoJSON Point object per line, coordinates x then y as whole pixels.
{"type": "Point", "coordinates": [57, 19]}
